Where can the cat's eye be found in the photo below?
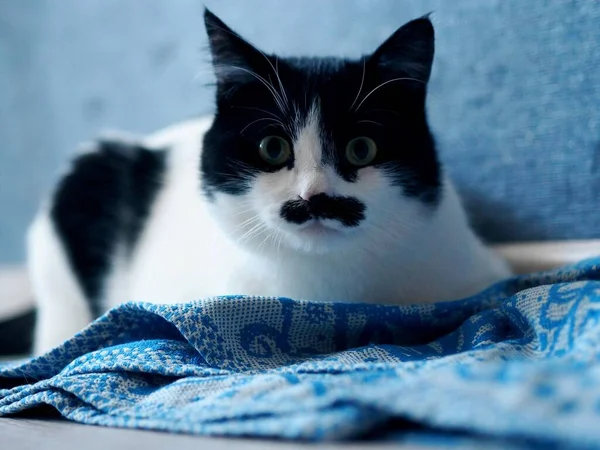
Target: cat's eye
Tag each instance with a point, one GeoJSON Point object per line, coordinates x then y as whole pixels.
{"type": "Point", "coordinates": [275, 150]}
{"type": "Point", "coordinates": [361, 151]}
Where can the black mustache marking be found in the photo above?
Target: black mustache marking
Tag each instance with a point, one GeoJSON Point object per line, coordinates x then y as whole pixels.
{"type": "Point", "coordinates": [348, 210]}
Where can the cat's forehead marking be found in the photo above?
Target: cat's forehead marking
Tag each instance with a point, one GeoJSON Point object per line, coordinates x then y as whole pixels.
{"type": "Point", "coordinates": [308, 153]}
{"type": "Point", "coordinates": [307, 140]}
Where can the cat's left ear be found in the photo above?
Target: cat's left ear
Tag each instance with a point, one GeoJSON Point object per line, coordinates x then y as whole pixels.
{"type": "Point", "coordinates": [408, 52]}
{"type": "Point", "coordinates": [233, 58]}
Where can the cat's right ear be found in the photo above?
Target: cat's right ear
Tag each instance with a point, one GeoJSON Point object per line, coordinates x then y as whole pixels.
{"type": "Point", "coordinates": [234, 59]}
{"type": "Point", "coordinates": [408, 52]}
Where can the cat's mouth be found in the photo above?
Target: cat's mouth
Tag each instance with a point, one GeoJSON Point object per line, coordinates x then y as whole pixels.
{"type": "Point", "coordinates": [321, 223]}
{"type": "Point", "coordinates": [318, 235]}
{"type": "Point", "coordinates": [347, 211]}
{"type": "Point", "coordinates": [317, 227]}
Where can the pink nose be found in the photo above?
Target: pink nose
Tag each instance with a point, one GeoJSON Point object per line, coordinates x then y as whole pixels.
{"type": "Point", "coordinates": [309, 194]}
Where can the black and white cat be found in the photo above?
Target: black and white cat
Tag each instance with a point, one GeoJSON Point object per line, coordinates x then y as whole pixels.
{"type": "Point", "coordinates": [317, 178]}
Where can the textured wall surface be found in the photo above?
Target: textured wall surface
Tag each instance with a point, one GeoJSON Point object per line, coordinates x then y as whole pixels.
{"type": "Point", "coordinates": [515, 98]}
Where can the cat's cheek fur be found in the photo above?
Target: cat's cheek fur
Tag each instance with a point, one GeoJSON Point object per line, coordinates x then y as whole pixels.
{"type": "Point", "coordinates": [253, 219]}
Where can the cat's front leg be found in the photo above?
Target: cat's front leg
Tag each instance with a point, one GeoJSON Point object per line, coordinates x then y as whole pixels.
{"type": "Point", "coordinates": [62, 309]}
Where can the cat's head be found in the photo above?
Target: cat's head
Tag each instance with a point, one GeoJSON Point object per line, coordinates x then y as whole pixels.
{"type": "Point", "coordinates": [314, 154]}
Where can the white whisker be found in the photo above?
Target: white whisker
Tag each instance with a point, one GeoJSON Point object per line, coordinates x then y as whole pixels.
{"type": "Point", "coordinates": [385, 83]}
{"type": "Point", "coordinates": [248, 221]}
{"type": "Point", "coordinates": [276, 69]}
{"type": "Point", "coordinates": [260, 120]}
{"type": "Point", "coordinates": [361, 83]}
{"type": "Point", "coordinates": [278, 100]}
{"type": "Point", "coordinates": [371, 121]}
{"type": "Point", "coordinates": [256, 230]}
{"type": "Point", "coordinates": [260, 246]}
{"type": "Point", "coordinates": [243, 211]}
{"type": "Point", "coordinates": [396, 113]}
{"type": "Point", "coordinates": [279, 245]}
{"type": "Point", "coordinates": [273, 125]}
{"type": "Point", "coordinates": [275, 116]}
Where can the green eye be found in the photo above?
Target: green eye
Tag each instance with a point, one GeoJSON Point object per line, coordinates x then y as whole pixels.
{"type": "Point", "coordinates": [361, 151]}
{"type": "Point", "coordinates": [275, 150]}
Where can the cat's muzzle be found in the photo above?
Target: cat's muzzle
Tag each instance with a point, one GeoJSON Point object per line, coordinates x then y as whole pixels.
{"type": "Point", "coordinates": [348, 210]}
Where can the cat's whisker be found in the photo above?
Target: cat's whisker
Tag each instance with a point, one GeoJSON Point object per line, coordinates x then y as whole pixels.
{"type": "Point", "coordinates": [279, 246]}
{"type": "Point", "coordinates": [233, 183]}
{"type": "Point", "coordinates": [257, 235]}
{"type": "Point", "coordinates": [401, 224]}
{"type": "Point", "coordinates": [362, 80]}
{"type": "Point", "coordinates": [256, 230]}
{"type": "Point", "coordinates": [248, 222]}
{"type": "Point", "coordinates": [396, 113]}
{"type": "Point", "coordinates": [234, 180]}
{"type": "Point", "coordinates": [260, 120]}
{"type": "Point", "coordinates": [205, 73]}
{"type": "Point", "coordinates": [386, 234]}
{"type": "Point", "coordinates": [272, 125]}
{"type": "Point", "coordinates": [244, 211]}
{"type": "Point", "coordinates": [275, 68]}
{"type": "Point", "coordinates": [245, 168]}
{"type": "Point", "coordinates": [247, 204]}
{"type": "Point", "coordinates": [275, 116]}
{"type": "Point", "coordinates": [261, 245]}
{"type": "Point", "coordinates": [371, 121]}
{"type": "Point", "coordinates": [393, 80]}
{"type": "Point", "coordinates": [279, 79]}
{"type": "Point", "coordinates": [276, 96]}
{"type": "Point", "coordinates": [240, 213]}
{"type": "Point", "coordinates": [281, 89]}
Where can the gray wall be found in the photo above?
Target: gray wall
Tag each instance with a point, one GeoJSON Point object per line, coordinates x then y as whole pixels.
{"type": "Point", "coordinates": [515, 94]}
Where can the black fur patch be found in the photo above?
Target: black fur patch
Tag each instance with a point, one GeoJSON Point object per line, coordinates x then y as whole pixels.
{"type": "Point", "coordinates": [381, 95]}
{"type": "Point", "coordinates": [347, 210]}
{"type": "Point", "coordinates": [16, 334]}
{"type": "Point", "coordinates": [102, 202]}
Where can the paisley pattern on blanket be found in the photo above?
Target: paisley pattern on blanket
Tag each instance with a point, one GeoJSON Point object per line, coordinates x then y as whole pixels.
{"type": "Point", "coordinates": [518, 364]}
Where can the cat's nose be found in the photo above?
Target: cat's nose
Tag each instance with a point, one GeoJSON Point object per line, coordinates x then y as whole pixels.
{"type": "Point", "coordinates": [307, 195]}
{"type": "Point", "coordinates": [313, 189]}
{"type": "Point", "coordinates": [314, 183]}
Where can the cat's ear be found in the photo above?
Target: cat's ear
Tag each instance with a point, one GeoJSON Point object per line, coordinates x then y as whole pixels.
{"type": "Point", "coordinates": [233, 58]}
{"type": "Point", "coordinates": [408, 52]}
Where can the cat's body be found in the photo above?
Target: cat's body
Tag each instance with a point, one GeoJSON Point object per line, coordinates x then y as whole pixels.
{"type": "Point", "coordinates": [279, 195]}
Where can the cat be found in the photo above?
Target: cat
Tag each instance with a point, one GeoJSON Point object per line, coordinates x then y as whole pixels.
{"type": "Point", "coordinates": [316, 178]}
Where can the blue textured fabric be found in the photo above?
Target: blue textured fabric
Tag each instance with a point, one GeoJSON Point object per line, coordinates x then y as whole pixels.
{"type": "Point", "coordinates": [520, 362]}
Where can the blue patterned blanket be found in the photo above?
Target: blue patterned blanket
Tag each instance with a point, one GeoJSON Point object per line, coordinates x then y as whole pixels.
{"type": "Point", "coordinates": [517, 364]}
